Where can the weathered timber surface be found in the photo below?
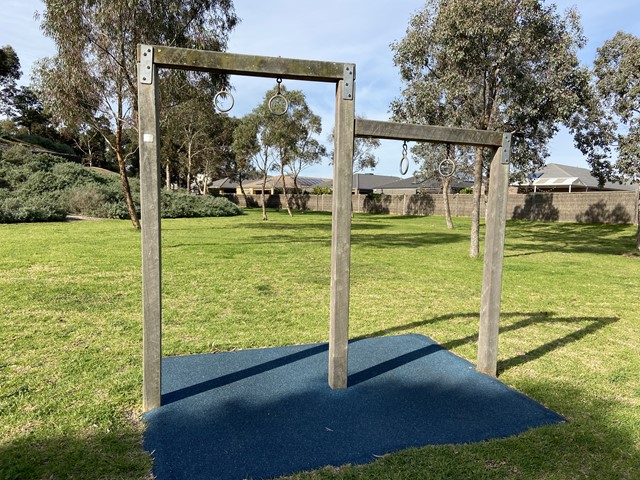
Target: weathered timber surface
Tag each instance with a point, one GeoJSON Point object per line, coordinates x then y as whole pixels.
{"type": "Point", "coordinates": [248, 65]}
{"type": "Point", "coordinates": [427, 133]}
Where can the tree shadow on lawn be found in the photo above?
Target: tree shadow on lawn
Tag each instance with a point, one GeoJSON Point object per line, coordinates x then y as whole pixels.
{"type": "Point", "coordinates": [530, 238]}
{"type": "Point", "coordinates": [379, 240]}
{"type": "Point", "coordinates": [533, 318]}
{"type": "Point", "coordinates": [117, 454]}
{"type": "Point", "coordinates": [407, 240]}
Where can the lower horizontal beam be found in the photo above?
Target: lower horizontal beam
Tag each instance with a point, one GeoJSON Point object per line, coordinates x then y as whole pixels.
{"type": "Point", "coordinates": [427, 133]}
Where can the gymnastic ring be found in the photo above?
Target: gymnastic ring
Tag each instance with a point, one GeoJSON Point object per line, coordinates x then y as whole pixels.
{"type": "Point", "coordinates": [223, 93]}
{"type": "Point", "coordinates": [286, 104]}
{"type": "Point", "coordinates": [447, 167]}
{"type": "Point", "coordinates": [404, 169]}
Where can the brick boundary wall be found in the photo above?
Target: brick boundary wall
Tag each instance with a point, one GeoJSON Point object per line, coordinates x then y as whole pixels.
{"type": "Point", "coordinates": [590, 207]}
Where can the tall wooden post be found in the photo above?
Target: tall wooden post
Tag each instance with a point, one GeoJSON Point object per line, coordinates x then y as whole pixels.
{"type": "Point", "coordinates": [493, 257]}
{"type": "Point", "coordinates": [341, 232]}
{"type": "Point", "coordinates": [148, 96]}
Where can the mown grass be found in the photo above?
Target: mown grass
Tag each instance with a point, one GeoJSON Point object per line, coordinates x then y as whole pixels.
{"type": "Point", "coordinates": [70, 332]}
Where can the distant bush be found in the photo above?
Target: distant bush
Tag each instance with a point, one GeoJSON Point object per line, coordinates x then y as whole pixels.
{"type": "Point", "coordinates": [42, 187]}
{"type": "Point", "coordinates": [44, 208]}
{"type": "Point", "coordinates": [466, 191]}
{"type": "Point", "coordinates": [322, 191]}
{"type": "Point", "coordinates": [182, 205]}
{"type": "Point", "coordinates": [46, 143]}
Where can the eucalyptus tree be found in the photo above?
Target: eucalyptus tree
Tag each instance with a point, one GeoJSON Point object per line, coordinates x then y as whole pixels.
{"type": "Point", "coordinates": [93, 73]}
{"type": "Point", "coordinates": [274, 138]}
{"type": "Point", "coordinates": [27, 110]}
{"type": "Point", "coordinates": [364, 157]}
{"type": "Point", "coordinates": [504, 65]}
{"type": "Point", "coordinates": [617, 72]}
{"type": "Point", "coordinates": [10, 73]}
{"type": "Point", "coordinates": [187, 133]}
{"type": "Point", "coordinates": [435, 160]}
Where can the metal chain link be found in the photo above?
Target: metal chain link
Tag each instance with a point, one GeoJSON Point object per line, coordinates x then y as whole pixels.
{"type": "Point", "coordinates": [404, 162]}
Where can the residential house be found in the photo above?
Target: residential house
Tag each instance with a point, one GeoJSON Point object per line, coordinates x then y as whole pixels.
{"type": "Point", "coordinates": [555, 177]}
{"type": "Point", "coordinates": [274, 184]}
{"type": "Point", "coordinates": [413, 185]}
{"type": "Point", "coordinates": [364, 183]}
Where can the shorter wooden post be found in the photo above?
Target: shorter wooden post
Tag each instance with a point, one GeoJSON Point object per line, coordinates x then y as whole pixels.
{"type": "Point", "coordinates": [341, 240]}
{"type": "Point", "coordinates": [493, 257]}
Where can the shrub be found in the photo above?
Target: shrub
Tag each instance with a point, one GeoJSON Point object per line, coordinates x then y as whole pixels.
{"type": "Point", "coordinates": [86, 200]}
{"type": "Point", "coordinates": [43, 208]}
{"type": "Point", "coordinates": [46, 143]}
{"type": "Point", "coordinates": [42, 187]}
{"type": "Point", "coordinates": [322, 191]}
{"type": "Point", "coordinates": [182, 205]}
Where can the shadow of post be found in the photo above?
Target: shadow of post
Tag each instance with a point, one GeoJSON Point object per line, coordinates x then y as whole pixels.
{"type": "Point", "coordinates": [534, 318]}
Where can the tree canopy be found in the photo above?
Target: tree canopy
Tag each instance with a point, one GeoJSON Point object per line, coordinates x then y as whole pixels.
{"type": "Point", "coordinates": [617, 72]}
{"type": "Point", "coordinates": [94, 73]}
{"type": "Point", "coordinates": [505, 65]}
{"type": "Point", "coordinates": [275, 142]}
{"type": "Point", "coordinates": [10, 73]}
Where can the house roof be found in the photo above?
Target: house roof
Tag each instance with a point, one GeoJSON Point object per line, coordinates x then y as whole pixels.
{"type": "Point", "coordinates": [556, 175]}
{"type": "Point", "coordinates": [366, 181]}
{"type": "Point", "coordinates": [275, 181]}
{"type": "Point", "coordinates": [415, 183]}
{"type": "Point", "coordinates": [223, 183]}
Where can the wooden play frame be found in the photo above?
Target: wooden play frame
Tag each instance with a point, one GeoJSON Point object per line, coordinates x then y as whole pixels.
{"type": "Point", "coordinates": [151, 58]}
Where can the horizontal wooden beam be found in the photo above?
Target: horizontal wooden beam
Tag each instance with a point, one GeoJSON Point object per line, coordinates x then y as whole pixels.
{"type": "Point", "coordinates": [249, 65]}
{"type": "Point", "coordinates": [427, 133]}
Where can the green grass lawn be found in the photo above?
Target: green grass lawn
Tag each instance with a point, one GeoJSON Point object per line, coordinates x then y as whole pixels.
{"type": "Point", "coordinates": [71, 338]}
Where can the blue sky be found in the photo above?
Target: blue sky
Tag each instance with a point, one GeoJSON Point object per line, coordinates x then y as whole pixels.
{"type": "Point", "coordinates": [357, 31]}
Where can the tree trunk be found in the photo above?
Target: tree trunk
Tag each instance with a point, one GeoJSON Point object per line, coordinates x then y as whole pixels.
{"type": "Point", "coordinates": [298, 193]}
{"type": "Point", "coordinates": [262, 197]}
{"type": "Point", "coordinates": [244, 194]}
{"type": "Point", "coordinates": [474, 248]}
{"type": "Point", "coordinates": [638, 218]}
{"type": "Point", "coordinates": [446, 185]}
{"type": "Point", "coordinates": [126, 189]}
{"type": "Point", "coordinates": [284, 190]}
{"type": "Point", "coordinates": [167, 174]}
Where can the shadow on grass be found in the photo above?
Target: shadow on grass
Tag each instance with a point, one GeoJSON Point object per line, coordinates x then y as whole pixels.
{"type": "Point", "coordinates": [530, 238]}
{"type": "Point", "coordinates": [534, 318]}
{"type": "Point", "coordinates": [117, 454]}
{"type": "Point", "coordinates": [407, 240]}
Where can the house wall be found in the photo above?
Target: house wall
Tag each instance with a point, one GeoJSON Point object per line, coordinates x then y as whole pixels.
{"type": "Point", "coordinates": [590, 207]}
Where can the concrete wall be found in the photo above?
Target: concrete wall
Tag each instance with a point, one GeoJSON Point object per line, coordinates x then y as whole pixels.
{"type": "Point", "coordinates": [591, 207]}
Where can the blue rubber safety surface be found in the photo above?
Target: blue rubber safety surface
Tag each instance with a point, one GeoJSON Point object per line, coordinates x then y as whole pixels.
{"type": "Point", "coordinates": [269, 412]}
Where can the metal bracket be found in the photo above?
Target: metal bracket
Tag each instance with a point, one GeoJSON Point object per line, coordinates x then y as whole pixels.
{"type": "Point", "coordinates": [505, 158]}
{"type": "Point", "coordinates": [349, 78]}
{"type": "Point", "coordinates": [146, 64]}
